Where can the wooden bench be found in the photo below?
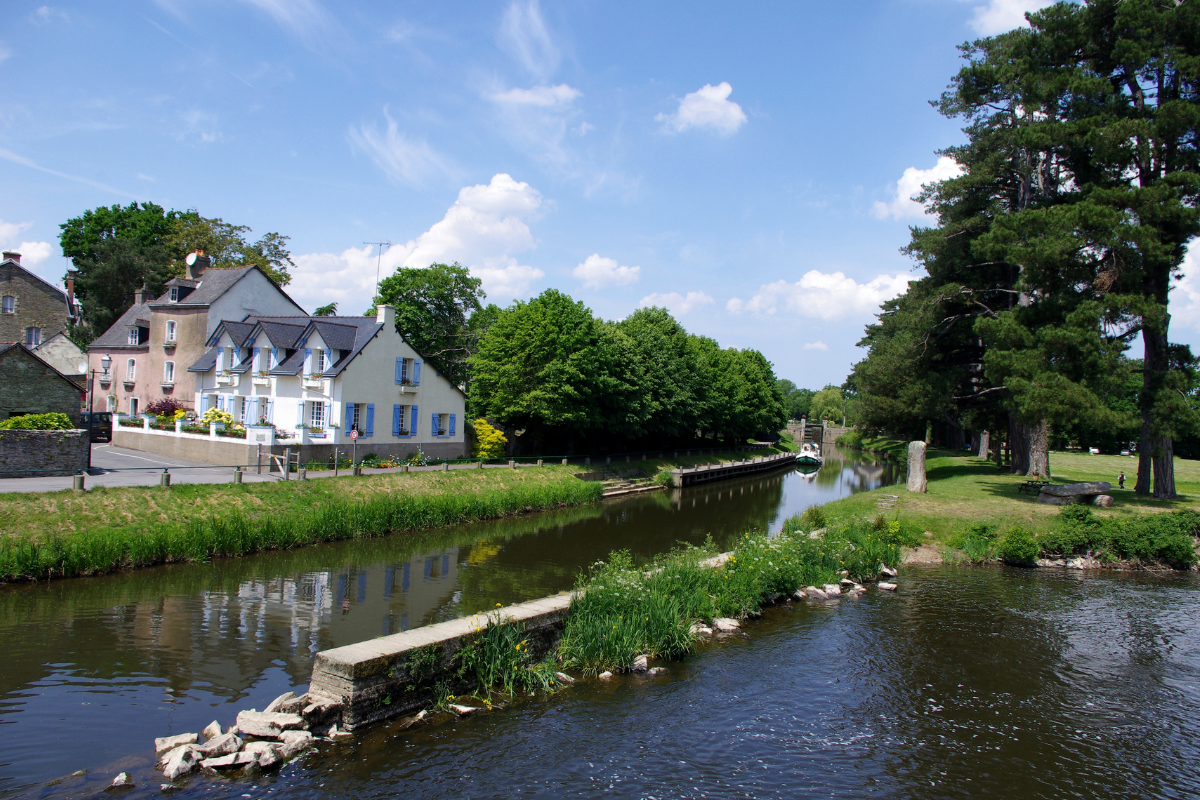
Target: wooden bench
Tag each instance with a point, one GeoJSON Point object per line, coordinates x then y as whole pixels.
{"type": "Point", "coordinates": [1032, 486]}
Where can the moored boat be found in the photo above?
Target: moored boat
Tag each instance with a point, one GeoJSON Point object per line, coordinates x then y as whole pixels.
{"type": "Point", "coordinates": [810, 455]}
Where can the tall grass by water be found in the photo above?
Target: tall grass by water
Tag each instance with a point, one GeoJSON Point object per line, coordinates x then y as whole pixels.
{"type": "Point", "coordinates": [136, 527]}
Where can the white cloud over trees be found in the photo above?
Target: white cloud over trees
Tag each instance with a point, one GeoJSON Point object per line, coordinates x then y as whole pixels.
{"type": "Point", "coordinates": [999, 16]}
{"type": "Point", "coordinates": [597, 272]}
{"type": "Point", "coordinates": [678, 304]}
{"type": "Point", "coordinates": [819, 295]}
{"type": "Point", "coordinates": [903, 206]}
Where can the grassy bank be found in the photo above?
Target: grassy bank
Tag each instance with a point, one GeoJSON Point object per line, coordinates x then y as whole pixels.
{"type": "Point", "coordinates": [65, 533]}
{"type": "Point", "coordinates": [971, 504]}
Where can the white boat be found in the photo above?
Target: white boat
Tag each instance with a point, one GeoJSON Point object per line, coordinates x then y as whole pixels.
{"type": "Point", "coordinates": [810, 455]}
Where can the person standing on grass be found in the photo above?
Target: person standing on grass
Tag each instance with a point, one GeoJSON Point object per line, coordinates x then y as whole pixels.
{"type": "Point", "coordinates": [1121, 480]}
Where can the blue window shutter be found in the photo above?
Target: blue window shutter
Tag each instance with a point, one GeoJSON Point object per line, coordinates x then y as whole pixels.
{"type": "Point", "coordinates": [370, 419]}
{"type": "Point", "coordinates": [416, 373]}
{"type": "Point", "coordinates": [399, 370]}
{"type": "Point", "coordinates": [396, 412]}
{"type": "Point", "coordinates": [270, 410]}
{"type": "Point", "coordinates": [251, 411]}
{"type": "Point", "coordinates": [220, 402]}
{"type": "Point", "coordinates": [349, 417]}
{"type": "Point", "coordinates": [274, 358]}
{"type": "Point", "coordinates": [452, 424]}
{"type": "Point", "coordinates": [433, 431]}
{"type": "Point", "coordinates": [300, 414]}
{"type": "Point", "coordinates": [205, 400]}
{"type": "Point", "coordinates": [307, 361]}
{"type": "Point", "coordinates": [412, 429]}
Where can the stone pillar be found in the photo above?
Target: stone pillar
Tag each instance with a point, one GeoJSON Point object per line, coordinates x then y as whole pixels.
{"type": "Point", "coordinates": [916, 467]}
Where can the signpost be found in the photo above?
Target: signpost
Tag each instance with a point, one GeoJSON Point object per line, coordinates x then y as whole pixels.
{"type": "Point", "coordinates": [353, 446]}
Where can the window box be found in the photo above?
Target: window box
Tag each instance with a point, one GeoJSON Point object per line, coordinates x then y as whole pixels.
{"type": "Point", "coordinates": [261, 380]}
{"type": "Point", "coordinates": [227, 380]}
{"type": "Point", "coordinates": [407, 388]}
{"type": "Point", "coordinates": [313, 383]}
{"type": "Point", "coordinates": [129, 384]}
{"type": "Point", "coordinates": [166, 387]}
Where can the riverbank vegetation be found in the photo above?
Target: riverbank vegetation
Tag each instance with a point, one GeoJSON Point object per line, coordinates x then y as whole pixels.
{"type": "Point", "coordinates": [65, 534]}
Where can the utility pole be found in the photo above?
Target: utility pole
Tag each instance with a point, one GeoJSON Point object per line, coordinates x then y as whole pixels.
{"type": "Point", "coordinates": [378, 261]}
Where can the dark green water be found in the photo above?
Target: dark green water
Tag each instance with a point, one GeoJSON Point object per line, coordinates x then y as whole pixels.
{"type": "Point", "coordinates": [968, 682]}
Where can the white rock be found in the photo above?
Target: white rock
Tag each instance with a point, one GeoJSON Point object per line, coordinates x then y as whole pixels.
{"type": "Point", "coordinates": [640, 663]}
{"type": "Point", "coordinates": [267, 754]}
{"type": "Point", "coordinates": [845, 583]}
{"type": "Point", "coordinates": [832, 590]}
{"type": "Point", "coordinates": [700, 629]}
{"type": "Point", "coordinates": [726, 625]}
{"type": "Point", "coordinates": [279, 701]}
{"type": "Point", "coordinates": [464, 711]}
{"type": "Point", "coordinates": [183, 761]}
{"type": "Point", "coordinates": [335, 733]}
{"type": "Point", "coordinates": [604, 676]}
{"type": "Point", "coordinates": [656, 671]}
{"type": "Point", "coordinates": [564, 678]}
{"type": "Point", "coordinates": [1103, 500]}
{"type": "Point", "coordinates": [844, 573]}
{"type": "Point", "coordinates": [887, 587]}
{"type": "Point", "coordinates": [165, 743]}
{"type": "Point", "coordinates": [306, 738]}
{"type": "Point", "coordinates": [230, 761]}
{"type": "Point", "coordinates": [268, 725]}
{"type": "Point", "coordinates": [124, 779]}
{"type": "Point", "coordinates": [211, 731]}
{"type": "Point", "coordinates": [223, 745]}
{"type": "Point", "coordinates": [799, 594]}
{"type": "Point", "coordinates": [814, 593]}
{"type": "Point", "coordinates": [887, 571]}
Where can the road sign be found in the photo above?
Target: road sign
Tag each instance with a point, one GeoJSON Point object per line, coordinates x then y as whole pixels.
{"type": "Point", "coordinates": [353, 435]}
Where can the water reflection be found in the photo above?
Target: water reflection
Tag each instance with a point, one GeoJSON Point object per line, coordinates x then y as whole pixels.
{"type": "Point", "coordinates": [167, 649]}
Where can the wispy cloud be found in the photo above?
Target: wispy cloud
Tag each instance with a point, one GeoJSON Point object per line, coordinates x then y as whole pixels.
{"type": "Point", "coordinates": [707, 107]}
{"type": "Point", "coordinates": [8, 155]}
{"type": "Point", "coordinates": [409, 161]}
{"type": "Point", "coordinates": [678, 304]}
{"type": "Point", "coordinates": [524, 36]}
{"type": "Point", "coordinates": [539, 96]}
{"type": "Point", "coordinates": [817, 345]}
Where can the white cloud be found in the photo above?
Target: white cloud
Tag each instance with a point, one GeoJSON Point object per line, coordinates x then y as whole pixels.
{"type": "Point", "coordinates": [484, 230]}
{"type": "Point", "coordinates": [402, 159]}
{"type": "Point", "coordinates": [596, 272]}
{"type": "Point", "coordinates": [675, 302]}
{"type": "Point", "coordinates": [821, 295]}
{"type": "Point", "coordinates": [707, 107]}
{"type": "Point", "coordinates": [999, 16]}
{"type": "Point", "coordinates": [817, 345]}
{"type": "Point", "coordinates": [9, 231]}
{"type": "Point", "coordinates": [909, 185]}
{"type": "Point", "coordinates": [1185, 295]}
{"type": "Point", "coordinates": [541, 96]}
{"type": "Point", "coordinates": [34, 253]}
{"type": "Point", "coordinates": [524, 36]}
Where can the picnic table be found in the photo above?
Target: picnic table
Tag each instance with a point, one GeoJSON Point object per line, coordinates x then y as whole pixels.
{"type": "Point", "coordinates": [1032, 486]}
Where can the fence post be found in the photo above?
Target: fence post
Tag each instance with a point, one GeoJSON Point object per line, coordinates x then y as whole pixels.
{"type": "Point", "coordinates": [164, 480]}
{"type": "Point", "coordinates": [303, 474]}
{"type": "Point", "coordinates": [512, 464]}
{"type": "Point", "coordinates": [77, 485]}
{"type": "Point", "coordinates": [479, 464]}
{"type": "Point", "coordinates": [539, 462]}
{"type": "Point", "coordinates": [445, 466]}
{"type": "Point", "coordinates": [237, 474]}
{"type": "Point", "coordinates": [287, 463]}
{"type": "Point", "coordinates": [258, 458]}
{"type": "Point", "coordinates": [564, 462]}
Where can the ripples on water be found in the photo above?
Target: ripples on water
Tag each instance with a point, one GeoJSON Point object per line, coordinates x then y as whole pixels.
{"type": "Point", "coordinates": [969, 681]}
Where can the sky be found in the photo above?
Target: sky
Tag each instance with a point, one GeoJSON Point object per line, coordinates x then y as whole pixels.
{"type": "Point", "coordinates": [748, 166]}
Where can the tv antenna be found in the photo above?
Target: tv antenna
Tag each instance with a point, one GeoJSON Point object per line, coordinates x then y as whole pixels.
{"type": "Point", "coordinates": [378, 261]}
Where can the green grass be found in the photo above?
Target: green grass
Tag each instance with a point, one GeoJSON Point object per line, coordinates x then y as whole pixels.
{"type": "Point", "coordinates": [62, 534]}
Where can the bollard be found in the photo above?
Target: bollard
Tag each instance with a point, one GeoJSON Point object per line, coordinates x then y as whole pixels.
{"type": "Point", "coordinates": [607, 460]}
{"type": "Point", "coordinates": [512, 464]}
{"type": "Point", "coordinates": [77, 485]}
{"type": "Point", "coordinates": [539, 462]}
{"type": "Point", "coordinates": [164, 480]}
{"type": "Point", "coordinates": [587, 460]}
{"type": "Point", "coordinates": [404, 468]}
{"type": "Point", "coordinates": [564, 462]}
{"type": "Point", "coordinates": [358, 470]}
{"type": "Point", "coordinates": [303, 474]}
{"type": "Point", "coordinates": [445, 466]}
{"type": "Point", "coordinates": [237, 474]}
{"type": "Point", "coordinates": [627, 459]}
{"type": "Point", "coordinates": [479, 464]}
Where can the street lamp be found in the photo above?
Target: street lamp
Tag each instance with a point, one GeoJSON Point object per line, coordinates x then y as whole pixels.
{"type": "Point", "coordinates": [105, 362]}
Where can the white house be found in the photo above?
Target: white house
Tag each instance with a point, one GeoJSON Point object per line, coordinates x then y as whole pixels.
{"type": "Point", "coordinates": [323, 377]}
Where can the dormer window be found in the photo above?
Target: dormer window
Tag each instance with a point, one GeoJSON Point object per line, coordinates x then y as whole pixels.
{"type": "Point", "coordinates": [320, 362]}
{"type": "Point", "coordinates": [174, 295]}
{"type": "Point", "coordinates": [133, 335]}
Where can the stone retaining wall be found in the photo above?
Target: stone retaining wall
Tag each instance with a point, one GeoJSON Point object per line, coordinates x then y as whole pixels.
{"type": "Point", "coordinates": [42, 453]}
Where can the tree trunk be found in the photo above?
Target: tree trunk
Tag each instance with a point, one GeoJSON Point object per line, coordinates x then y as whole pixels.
{"type": "Point", "coordinates": [1018, 444]}
{"type": "Point", "coordinates": [1156, 452]}
{"type": "Point", "coordinates": [1031, 447]}
{"type": "Point", "coordinates": [984, 441]}
{"type": "Point", "coordinates": [998, 452]}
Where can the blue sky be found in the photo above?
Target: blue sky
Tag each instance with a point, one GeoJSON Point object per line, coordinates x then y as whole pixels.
{"type": "Point", "coordinates": [746, 165]}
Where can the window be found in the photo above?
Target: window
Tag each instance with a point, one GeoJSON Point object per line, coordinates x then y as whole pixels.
{"type": "Point", "coordinates": [133, 406]}
{"type": "Point", "coordinates": [130, 370]}
{"type": "Point", "coordinates": [319, 362]}
{"type": "Point", "coordinates": [9, 304]}
{"type": "Point", "coordinates": [241, 409]}
{"type": "Point", "coordinates": [169, 372]}
{"type": "Point", "coordinates": [112, 403]}
{"type": "Point", "coordinates": [355, 410]}
{"type": "Point", "coordinates": [442, 422]}
{"type": "Point", "coordinates": [133, 335]}
{"type": "Point", "coordinates": [317, 417]}
{"type": "Point", "coordinates": [33, 337]}
{"type": "Point", "coordinates": [174, 296]}
{"type": "Point", "coordinates": [171, 331]}
{"type": "Point", "coordinates": [400, 420]}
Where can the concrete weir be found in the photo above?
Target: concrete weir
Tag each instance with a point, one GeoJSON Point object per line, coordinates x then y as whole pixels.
{"type": "Point", "coordinates": [729, 469]}
{"type": "Point", "coordinates": [378, 679]}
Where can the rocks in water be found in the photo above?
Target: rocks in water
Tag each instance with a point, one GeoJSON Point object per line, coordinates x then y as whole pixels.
{"type": "Point", "coordinates": [165, 744]}
{"type": "Point", "coordinates": [887, 587]}
{"type": "Point", "coordinates": [605, 676]}
{"type": "Point", "coordinates": [855, 590]}
{"type": "Point", "coordinates": [408, 722]}
{"type": "Point", "coordinates": [182, 761]}
{"type": "Point", "coordinates": [813, 593]}
{"type": "Point", "coordinates": [231, 761]}
{"type": "Point", "coordinates": [464, 711]}
{"type": "Point", "coordinates": [275, 705]}
{"type": "Point", "coordinates": [267, 754]}
{"type": "Point", "coordinates": [640, 663]}
{"type": "Point", "coordinates": [266, 725]}
{"type": "Point", "coordinates": [564, 678]}
{"type": "Point", "coordinates": [1103, 500]}
{"type": "Point", "coordinates": [726, 625]}
{"type": "Point", "coordinates": [656, 671]}
{"type": "Point", "coordinates": [774, 598]}
{"type": "Point", "coordinates": [223, 745]}
{"type": "Point", "coordinates": [700, 629]}
{"type": "Point", "coordinates": [122, 781]}
{"type": "Point", "coordinates": [1083, 562]}
{"type": "Point", "coordinates": [845, 583]}
{"type": "Point", "coordinates": [211, 731]}
{"type": "Point", "coordinates": [887, 571]}
{"type": "Point", "coordinates": [831, 590]}
{"type": "Point", "coordinates": [799, 594]}
{"type": "Point", "coordinates": [320, 710]}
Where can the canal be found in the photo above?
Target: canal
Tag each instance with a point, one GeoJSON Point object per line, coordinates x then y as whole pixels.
{"type": "Point", "coordinates": [968, 682]}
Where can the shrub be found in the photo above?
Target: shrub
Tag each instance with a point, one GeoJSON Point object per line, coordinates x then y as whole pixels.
{"type": "Point", "coordinates": [813, 517]}
{"type": "Point", "coordinates": [168, 407]}
{"type": "Point", "coordinates": [216, 415]}
{"type": "Point", "coordinates": [1018, 547]}
{"type": "Point", "coordinates": [53, 421]}
{"type": "Point", "coordinates": [489, 442]}
{"type": "Point", "coordinates": [852, 439]}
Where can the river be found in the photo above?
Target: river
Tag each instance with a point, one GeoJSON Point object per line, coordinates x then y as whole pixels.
{"type": "Point", "coordinates": [968, 681]}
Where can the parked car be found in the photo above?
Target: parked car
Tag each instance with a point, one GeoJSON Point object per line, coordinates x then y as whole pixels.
{"type": "Point", "coordinates": [98, 425]}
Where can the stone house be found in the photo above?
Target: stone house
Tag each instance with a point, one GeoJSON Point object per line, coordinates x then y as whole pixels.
{"type": "Point", "coordinates": [28, 385]}
{"type": "Point", "coordinates": [323, 377]}
{"type": "Point", "coordinates": [31, 310]}
{"type": "Point", "coordinates": [155, 341]}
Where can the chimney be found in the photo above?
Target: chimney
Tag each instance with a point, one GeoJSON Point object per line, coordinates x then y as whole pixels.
{"type": "Point", "coordinates": [385, 315]}
{"type": "Point", "coordinates": [71, 292]}
{"type": "Point", "coordinates": [196, 263]}
{"type": "Point", "coordinates": [139, 295]}
{"type": "Point", "coordinates": [11, 255]}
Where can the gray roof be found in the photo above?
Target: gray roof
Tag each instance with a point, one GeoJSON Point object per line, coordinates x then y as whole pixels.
{"type": "Point", "coordinates": [239, 332]}
{"type": "Point", "coordinates": [347, 334]}
{"type": "Point", "coordinates": [117, 335]}
{"type": "Point", "coordinates": [212, 284]}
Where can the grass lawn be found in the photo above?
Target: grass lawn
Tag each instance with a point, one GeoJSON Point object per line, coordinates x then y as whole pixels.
{"type": "Point", "coordinates": [964, 489]}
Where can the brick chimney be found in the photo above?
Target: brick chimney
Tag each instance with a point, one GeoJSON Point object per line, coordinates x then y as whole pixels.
{"type": "Point", "coordinates": [11, 255]}
{"type": "Point", "coordinates": [195, 264]}
{"type": "Point", "coordinates": [71, 293]}
{"type": "Point", "coordinates": [139, 295]}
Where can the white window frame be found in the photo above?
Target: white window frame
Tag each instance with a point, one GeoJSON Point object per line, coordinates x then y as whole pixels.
{"type": "Point", "coordinates": [131, 370]}
{"type": "Point", "coordinates": [316, 415]}
{"type": "Point", "coordinates": [443, 424]}
{"type": "Point", "coordinates": [133, 406]}
{"type": "Point", "coordinates": [33, 336]}
{"type": "Point", "coordinates": [405, 420]}
{"type": "Point", "coordinates": [133, 335]}
{"type": "Point", "coordinates": [319, 366]}
{"type": "Point", "coordinates": [173, 297]}
{"type": "Point", "coordinates": [8, 304]}
{"type": "Point", "coordinates": [112, 403]}
{"type": "Point", "coordinates": [171, 331]}
{"type": "Point", "coordinates": [169, 372]}
{"type": "Point", "coordinates": [356, 416]}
